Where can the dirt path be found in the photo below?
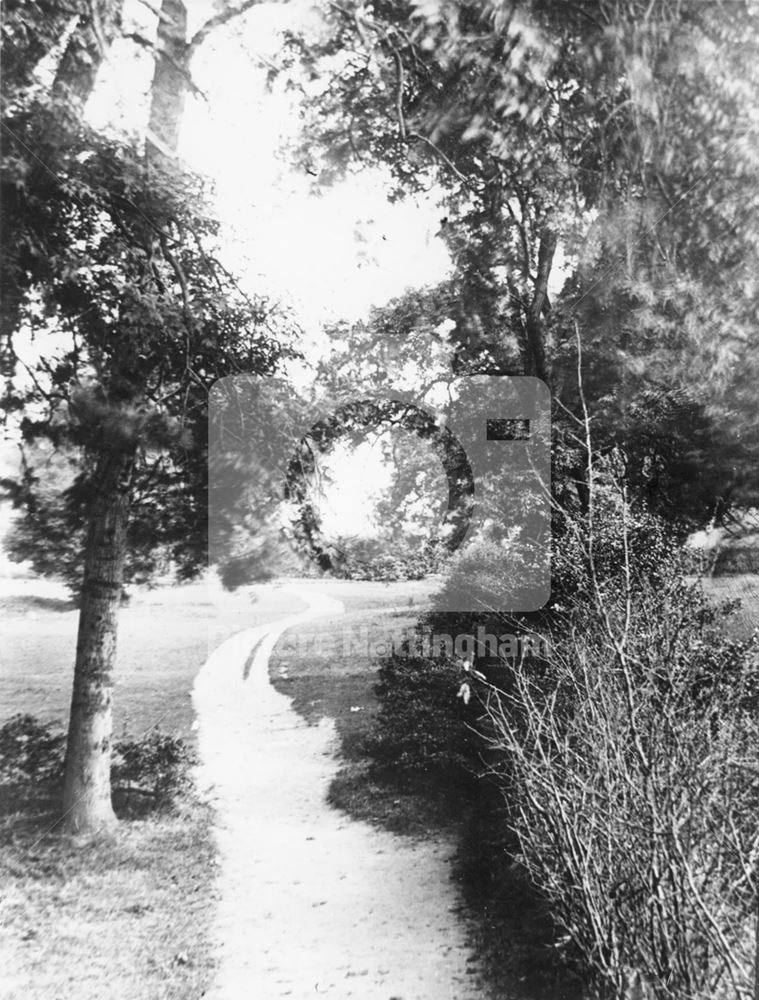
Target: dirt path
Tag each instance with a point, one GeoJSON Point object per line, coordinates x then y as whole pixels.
{"type": "Point", "coordinates": [312, 903]}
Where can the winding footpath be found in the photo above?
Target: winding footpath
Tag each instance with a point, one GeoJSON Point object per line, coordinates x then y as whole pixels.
{"type": "Point", "coordinates": [312, 903]}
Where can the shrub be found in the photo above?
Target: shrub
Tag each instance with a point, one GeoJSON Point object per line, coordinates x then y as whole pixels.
{"type": "Point", "coordinates": [149, 772]}
{"type": "Point", "coordinates": [368, 559]}
{"type": "Point", "coordinates": [31, 758]}
{"type": "Point", "coordinates": [242, 571]}
{"type": "Point", "coordinates": [630, 769]}
{"type": "Point", "coordinates": [421, 727]}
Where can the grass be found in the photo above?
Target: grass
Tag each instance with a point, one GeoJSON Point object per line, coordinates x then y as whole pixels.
{"type": "Point", "coordinates": [165, 636]}
{"type": "Point", "coordinates": [124, 916]}
{"type": "Point", "coordinates": [329, 669]}
{"type": "Point", "coordinates": [743, 587]}
{"type": "Point", "coordinates": [127, 916]}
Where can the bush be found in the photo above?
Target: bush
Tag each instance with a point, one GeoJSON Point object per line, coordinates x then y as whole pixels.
{"type": "Point", "coordinates": [31, 758]}
{"type": "Point", "coordinates": [370, 559]}
{"type": "Point", "coordinates": [630, 769]}
{"type": "Point", "coordinates": [150, 772]}
{"type": "Point", "coordinates": [626, 758]}
{"type": "Point", "coordinates": [147, 773]}
{"type": "Point", "coordinates": [422, 728]}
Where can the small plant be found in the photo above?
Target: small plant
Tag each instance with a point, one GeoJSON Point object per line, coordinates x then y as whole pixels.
{"type": "Point", "coordinates": [149, 772]}
{"type": "Point", "coordinates": [31, 758]}
{"type": "Point", "coordinates": [422, 728]}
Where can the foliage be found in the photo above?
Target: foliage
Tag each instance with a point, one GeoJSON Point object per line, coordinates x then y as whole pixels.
{"type": "Point", "coordinates": [624, 751]}
{"type": "Point", "coordinates": [110, 261]}
{"type": "Point", "coordinates": [150, 772]}
{"type": "Point", "coordinates": [27, 39]}
{"type": "Point", "coordinates": [410, 532]}
{"type": "Point", "coordinates": [49, 529]}
{"type": "Point", "coordinates": [45, 477]}
{"type": "Point", "coordinates": [628, 767]}
{"type": "Point", "coordinates": [367, 560]}
{"type": "Point", "coordinates": [154, 769]}
{"type": "Point", "coordinates": [421, 727]}
{"type": "Point", "coordinates": [615, 131]}
{"type": "Point", "coordinates": [31, 755]}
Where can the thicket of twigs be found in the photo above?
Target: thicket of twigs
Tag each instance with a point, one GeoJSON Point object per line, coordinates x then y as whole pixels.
{"type": "Point", "coordinates": [629, 760]}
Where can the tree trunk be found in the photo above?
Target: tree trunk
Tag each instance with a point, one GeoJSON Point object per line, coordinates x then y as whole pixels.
{"type": "Point", "coordinates": [85, 52]}
{"type": "Point", "coordinates": [27, 47]}
{"type": "Point", "coordinates": [536, 355]}
{"type": "Point", "coordinates": [72, 85]}
{"type": "Point", "coordinates": [87, 789]}
{"type": "Point", "coordinates": [171, 80]}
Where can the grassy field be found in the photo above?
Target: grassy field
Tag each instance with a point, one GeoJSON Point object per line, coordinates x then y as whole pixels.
{"type": "Point", "coordinates": [165, 635]}
{"type": "Point", "coordinates": [329, 668]}
{"type": "Point", "coordinates": [126, 917]}
{"type": "Point", "coordinates": [740, 587]}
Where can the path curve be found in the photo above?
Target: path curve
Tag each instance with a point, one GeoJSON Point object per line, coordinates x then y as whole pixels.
{"type": "Point", "coordinates": [312, 903]}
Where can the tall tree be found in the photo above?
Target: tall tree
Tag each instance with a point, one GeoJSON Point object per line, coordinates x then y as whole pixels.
{"type": "Point", "coordinates": [618, 131]}
{"type": "Point", "coordinates": [30, 31]}
{"type": "Point", "coordinates": [111, 256]}
{"type": "Point", "coordinates": [96, 25]}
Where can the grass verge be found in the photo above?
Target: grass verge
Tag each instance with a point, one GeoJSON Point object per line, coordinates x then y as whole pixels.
{"type": "Point", "coordinates": [128, 916]}
{"type": "Point", "coordinates": [165, 636]}
{"type": "Point", "coordinates": [329, 669]}
{"type": "Point", "coordinates": [124, 916]}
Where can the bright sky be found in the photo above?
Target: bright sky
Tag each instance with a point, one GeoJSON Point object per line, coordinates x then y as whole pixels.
{"type": "Point", "coordinates": [349, 511]}
{"type": "Point", "coordinates": [331, 256]}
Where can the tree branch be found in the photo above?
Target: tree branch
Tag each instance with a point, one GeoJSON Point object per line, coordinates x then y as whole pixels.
{"type": "Point", "coordinates": [189, 319]}
{"type": "Point", "coordinates": [446, 160]}
{"type": "Point", "coordinates": [537, 360]}
{"type": "Point", "coordinates": [217, 21]}
{"type": "Point", "coordinates": [399, 93]}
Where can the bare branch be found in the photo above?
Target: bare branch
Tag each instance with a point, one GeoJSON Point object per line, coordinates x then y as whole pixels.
{"type": "Point", "coordinates": [446, 160]}
{"type": "Point", "coordinates": [399, 93]}
{"type": "Point", "coordinates": [218, 20]}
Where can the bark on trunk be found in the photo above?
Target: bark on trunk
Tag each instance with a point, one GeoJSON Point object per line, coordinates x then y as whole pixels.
{"type": "Point", "coordinates": [536, 360]}
{"type": "Point", "coordinates": [87, 789]}
{"type": "Point", "coordinates": [85, 52]}
{"type": "Point", "coordinates": [23, 55]}
{"type": "Point", "coordinates": [171, 80]}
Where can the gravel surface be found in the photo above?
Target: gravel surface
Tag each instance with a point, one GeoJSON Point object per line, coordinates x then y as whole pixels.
{"type": "Point", "coordinates": [313, 903]}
